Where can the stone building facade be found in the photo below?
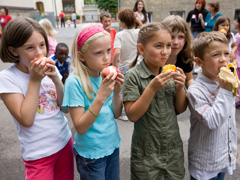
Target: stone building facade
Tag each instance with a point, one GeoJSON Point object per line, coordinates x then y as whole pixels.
{"type": "Point", "coordinates": [159, 9]}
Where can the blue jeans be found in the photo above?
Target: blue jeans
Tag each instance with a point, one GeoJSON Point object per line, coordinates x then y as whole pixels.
{"type": "Point", "coordinates": [195, 33]}
{"type": "Point", "coordinates": [106, 168]}
{"type": "Point", "coordinates": [220, 176]}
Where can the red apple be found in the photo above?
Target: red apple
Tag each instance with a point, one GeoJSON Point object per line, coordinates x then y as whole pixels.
{"type": "Point", "coordinates": [106, 71]}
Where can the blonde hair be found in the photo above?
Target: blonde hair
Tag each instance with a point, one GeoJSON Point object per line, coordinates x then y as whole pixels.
{"type": "Point", "coordinates": [177, 23]}
{"type": "Point", "coordinates": [80, 70]}
{"type": "Point", "coordinates": [204, 39]}
{"type": "Point", "coordinates": [48, 28]}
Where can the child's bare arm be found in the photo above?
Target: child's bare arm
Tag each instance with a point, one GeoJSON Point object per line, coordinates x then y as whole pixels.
{"type": "Point", "coordinates": [116, 56]}
{"type": "Point", "coordinates": [232, 53]}
{"type": "Point", "coordinates": [135, 110]}
{"type": "Point", "coordinates": [181, 99]}
{"type": "Point", "coordinates": [83, 121]}
{"type": "Point", "coordinates": [23, 108]}
{"type": "Point", "coordinates": [117, 100]}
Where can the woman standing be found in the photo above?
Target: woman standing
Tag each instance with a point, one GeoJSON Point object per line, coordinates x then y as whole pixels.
{"type": "Point", "coordinates": [213, 14]}
{"type": "Point", "coordinates": [194, 17]}
{"type": "Point", "coordinates": [140, 12]}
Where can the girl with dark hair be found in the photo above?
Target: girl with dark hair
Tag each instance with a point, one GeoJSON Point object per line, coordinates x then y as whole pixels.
{"type": "Point", "coordinates": [222, 24]}
{"type": "Point", "coordinates": [140, 12]}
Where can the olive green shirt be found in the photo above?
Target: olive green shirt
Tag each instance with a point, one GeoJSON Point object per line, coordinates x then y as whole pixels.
{"type": "Point", "coordinates": [156, 143]}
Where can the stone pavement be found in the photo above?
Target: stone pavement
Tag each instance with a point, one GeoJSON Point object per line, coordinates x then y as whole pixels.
{"type": "Point", "coordinates": [11, 165]}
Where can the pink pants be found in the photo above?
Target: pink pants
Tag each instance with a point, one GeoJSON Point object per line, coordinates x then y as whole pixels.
{"type": "Point", "coordinates": [59, 166]}
{"type": "Point", "coordinates": [238, 73]}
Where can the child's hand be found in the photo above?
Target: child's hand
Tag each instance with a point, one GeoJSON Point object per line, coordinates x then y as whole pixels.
{"type": "Point", "coordinates": [51, 70]}
{"type": "Point", "coordinates": [37, 68]}
{"type": "Point", "coordinates": [224, 84]}
{"type": "Point", "coordinates": [232, 56]}
{"type": "Point", "coordinates": [107, 86]}
{"type": "Point", "coordinates": [108, 29]}
{"type": "Point", "coordinates": [118, 83]}
{"type": "Point", "coordinates": [179, 78]}
{"type": "Point", "coordinates": [160, 81]}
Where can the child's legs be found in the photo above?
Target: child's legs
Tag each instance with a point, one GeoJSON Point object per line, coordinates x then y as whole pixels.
{"type": "Point", "coordinates": [44, 168]}
{"type": "Point", "coordinates": [112, 169]}
{"type": "Point", "coordinates": [91, 169]}
{"type": "Point", "coordinates": [64, 166]}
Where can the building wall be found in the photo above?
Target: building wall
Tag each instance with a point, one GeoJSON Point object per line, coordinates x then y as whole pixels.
{"type": "Point", "coordinates": [17, 3]}
{"type": "Point", "coordinates": [161, 8]}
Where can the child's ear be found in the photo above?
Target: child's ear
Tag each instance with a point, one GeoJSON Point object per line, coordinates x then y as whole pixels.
{"type": "Point", "coordinates": [140, 49]}
{"type": "Point", "coordinates": [13, 50]}
{"type": "Point", "coordinates": [80, 56]}
{"type": "Point", "coordinates": [198, 61]}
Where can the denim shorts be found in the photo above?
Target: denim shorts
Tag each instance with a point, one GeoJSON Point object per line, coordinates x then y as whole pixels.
{"type": "Point", "coordinates": [106, 168]}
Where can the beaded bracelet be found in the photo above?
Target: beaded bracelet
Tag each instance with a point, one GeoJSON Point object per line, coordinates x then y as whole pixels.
{"type": "Point", "coordinates": [93, 113]}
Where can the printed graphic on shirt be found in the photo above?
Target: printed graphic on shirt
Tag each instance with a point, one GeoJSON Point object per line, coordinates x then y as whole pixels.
{"type": "Point", "coordinates": [47, 101]}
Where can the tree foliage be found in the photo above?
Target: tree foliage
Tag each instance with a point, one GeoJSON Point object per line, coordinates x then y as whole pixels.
{"type": "Point", "coordinates": [108, 5]}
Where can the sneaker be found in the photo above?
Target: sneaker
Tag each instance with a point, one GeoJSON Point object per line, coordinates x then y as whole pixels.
{"type": "Point", "coordinates": [237, 105]}
{"type": "Point", "coordinates": [123, 118]}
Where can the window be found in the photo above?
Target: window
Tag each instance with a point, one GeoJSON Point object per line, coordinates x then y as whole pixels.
{"type": "Point", "coordinates": [180, 13]}
{"type": "Point", "coordinates": [68, 6]}
{"type": "Point", "coordinates": [237, 13]}
{"type": "Point", "coordinates": [40, 7]}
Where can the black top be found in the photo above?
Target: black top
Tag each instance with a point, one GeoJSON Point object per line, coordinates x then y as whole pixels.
{"type": "Point", "coordinates": [195, 21]}
{"type": "Point", "coordinates": [185, 67]}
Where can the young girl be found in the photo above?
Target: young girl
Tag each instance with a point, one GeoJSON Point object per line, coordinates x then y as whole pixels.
{"type": "Point", "coordinates": [223, 23]}
{"type": "Point", "coordinates": [51, 33]}
{"type": "Point", "coordinates": [182, 54]}
{"type": "Point", "coordinates": [151, 100]}
{"type": "Point", "coordinates": [32, 91]}
{"type": "Point", "coordinates": [93, 103]}
{"type": "Point", "coordinates": [237, 53]}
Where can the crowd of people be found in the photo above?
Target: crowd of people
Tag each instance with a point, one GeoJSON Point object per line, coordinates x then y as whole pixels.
{"type": "Point", "coordinates": [45, 81]}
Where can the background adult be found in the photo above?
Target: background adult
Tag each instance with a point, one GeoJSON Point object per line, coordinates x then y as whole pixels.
{"type": "Point", "coordinates": [213, 14]}
{"type": "Point", "coordinates": [4, 17]}
{"type": "Point", "coordinates": [61, 16]}
{"type": "Point", "coordinates": [194, 17]}
{"type": "Point", "coordinates": [74, 19]}
{"type": "Point", "coordinates": [140, 12]}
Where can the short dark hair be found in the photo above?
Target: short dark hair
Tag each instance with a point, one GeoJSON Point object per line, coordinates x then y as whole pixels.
{"type": "Point", "coordinates": [105, 14]}
{"type": "Point", "coordinates": [16, 33]}
{"type": "Point", "coordinates": [60, 45]}
{"type": "Point", "coordinates": [127, 16]}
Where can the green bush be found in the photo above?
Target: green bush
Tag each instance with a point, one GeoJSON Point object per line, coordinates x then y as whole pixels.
{"type": "Point", "coordinates": [77, 16]}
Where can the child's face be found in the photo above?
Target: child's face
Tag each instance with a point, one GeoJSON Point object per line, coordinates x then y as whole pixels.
{"type": "Point", "coordinates": [236, 25]}
{"type": "Point", "coordinates": [157, 50]}
{"type": "Point", "coordinates": [62, 54]}
{"type": "Point", "coordinates": [106, 22]}
{"type": "Point", "coordinates": [216, 56]}
{"type": "Point", "coordinates": [34, 47]}
{"type": "Point", "coordinates": [178, 42]}
{"type": "Point", "coordinates": [225, 25]}
{"type": "Point", "coordinates": [98, 55]}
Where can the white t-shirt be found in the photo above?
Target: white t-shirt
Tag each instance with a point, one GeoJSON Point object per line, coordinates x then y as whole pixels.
{"type": "Point", "coordinates": [126, 40]}
{"type": "Point", "coordinates": [232, 40]}
{"type": "Point", "coordinates": [49, 132]}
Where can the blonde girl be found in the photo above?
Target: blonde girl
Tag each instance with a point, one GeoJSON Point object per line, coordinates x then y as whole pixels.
{"type": "Point", "coordinates": [223, 23]}
{"type": "Point", "coordinates": [32, 91]}
{"type": "Point", "coordinates": [93, 104]}
{"type": "Point", "coordinates": [182, 53]}
{"type": "Point", "coordinates": [151, 100]}
{"type": "Point", "coordinates": [51, 33]}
